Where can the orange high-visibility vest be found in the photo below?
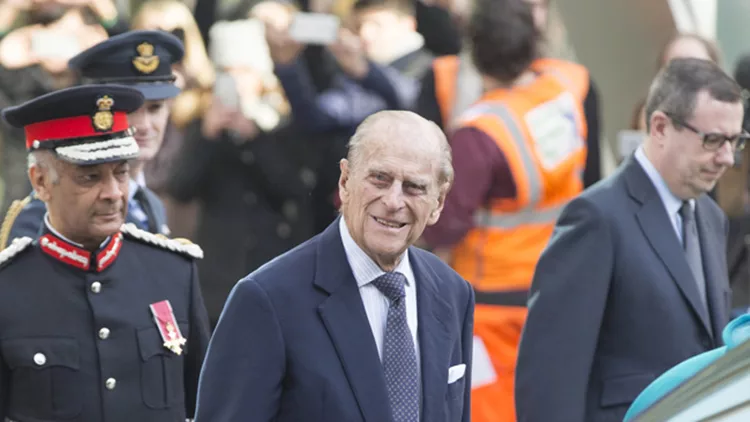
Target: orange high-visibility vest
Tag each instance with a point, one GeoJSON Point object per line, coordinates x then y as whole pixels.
{"type": "Point", "coordinates": [445, 69]}
{"type": "Point", "coordinates": [458, 85]}
{"type": "Point", "coordinates": [541, 130]}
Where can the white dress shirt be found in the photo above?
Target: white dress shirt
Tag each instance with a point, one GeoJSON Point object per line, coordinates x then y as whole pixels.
{"type": "Point", "coordinates": [376, 303]}
{"type": "Point", "coordinates": [672, 203]}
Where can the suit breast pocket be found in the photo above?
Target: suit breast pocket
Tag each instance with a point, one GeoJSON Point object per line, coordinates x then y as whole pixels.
{"type": "Point", "coordinates": [45, 377]}
{"type": "Point", "coordinates": [161, 370]}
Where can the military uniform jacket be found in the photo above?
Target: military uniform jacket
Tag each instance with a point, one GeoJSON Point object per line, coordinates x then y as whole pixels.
{"type": "Point", "coordinates": [79, 340]}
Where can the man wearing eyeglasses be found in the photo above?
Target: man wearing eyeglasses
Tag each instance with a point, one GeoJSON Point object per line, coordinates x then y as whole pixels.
{"type": "Point", "coordinates": [634, 279]}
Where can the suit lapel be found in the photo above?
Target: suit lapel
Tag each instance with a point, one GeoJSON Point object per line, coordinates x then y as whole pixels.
{"type": "Point", "coordinates": [344, 317]}
{"type": "Point", "coordinates": [712, 267]}
{"type": "Point", "coordinates": [435, 346]}
{"type": "Point", "coordinates": [654, 221]}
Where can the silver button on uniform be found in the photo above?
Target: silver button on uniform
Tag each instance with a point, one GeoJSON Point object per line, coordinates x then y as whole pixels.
{"type": "Point", "coordinates": [110, 383]}
{"type": "Point", "coordinates": [40, 359]}
{"type": "Point", "coordinates": [104, 333]}
{"type": "Point", "coordinates": [96, 287]}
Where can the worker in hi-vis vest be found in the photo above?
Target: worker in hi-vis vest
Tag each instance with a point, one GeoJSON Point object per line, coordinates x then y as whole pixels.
{"type": "Point", "coordinates": [519, 155]}
{"type": "Point", "coordinates": [453, 84]}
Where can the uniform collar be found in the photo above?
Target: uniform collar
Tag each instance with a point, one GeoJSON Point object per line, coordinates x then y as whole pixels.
{"type": "Point", "coordinates": [71, 253]}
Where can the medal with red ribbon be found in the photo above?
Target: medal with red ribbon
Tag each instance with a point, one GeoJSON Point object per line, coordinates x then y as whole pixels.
{"type": "Point", "coordinates": [168, 328]}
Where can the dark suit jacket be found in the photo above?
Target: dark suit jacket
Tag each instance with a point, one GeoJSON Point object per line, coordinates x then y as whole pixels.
{"type": "Point", "coordinates": [614, 304]}
{"type": "Point", "coordinates": [29, 220]}
{"type": "Point", "coordinates": [294, 343]}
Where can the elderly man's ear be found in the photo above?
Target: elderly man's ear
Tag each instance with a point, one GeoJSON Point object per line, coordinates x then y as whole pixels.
{"type": "Point", "coordinates": [435, 214]}
{"type": "Point", "coordinates": [41, 178]}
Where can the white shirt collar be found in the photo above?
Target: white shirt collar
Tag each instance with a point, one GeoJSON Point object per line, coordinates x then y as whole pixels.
{"type": "Point", "coordinates": [132, 188]}
{"type": "Point", "coordinates": [671, 202]}
{"type": "Point", "coordinates": [365, 270]}
{"type": "Point", "coordinates": [58, 234]}
{"type": "Point", "coordinates": [134, 184]}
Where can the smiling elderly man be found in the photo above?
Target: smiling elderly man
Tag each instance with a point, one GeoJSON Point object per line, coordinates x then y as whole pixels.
{"type": "Point", "coordinates": [356, 324]}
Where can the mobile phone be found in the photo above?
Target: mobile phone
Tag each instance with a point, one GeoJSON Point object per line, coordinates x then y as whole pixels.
{"type": "Point", "coordinates": [315, 28]}
{"type": "Point", "coordinates": [54, 45]}
{"type": "Point", "coordinates": [239, 44]}
{"type": "Point", "coordinates": [225, 90]}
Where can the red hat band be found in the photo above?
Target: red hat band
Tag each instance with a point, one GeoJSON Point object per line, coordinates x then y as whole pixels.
{"type": "Point", "coordinates": [101, 123]}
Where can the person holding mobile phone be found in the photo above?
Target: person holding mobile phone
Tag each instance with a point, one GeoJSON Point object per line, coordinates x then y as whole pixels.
{"type": "Point", "coordinates": [143, 60]}
{"type": "Point", "coordinates": [244, 165]}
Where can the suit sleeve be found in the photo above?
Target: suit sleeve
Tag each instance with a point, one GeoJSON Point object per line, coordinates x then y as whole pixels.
{"type": "Point", "coordinates": [244, 368]}
{"type": "Point", "coordinates": [467, 338]}
{"type": "Point", "coordinates": [197, 342]}
{"type": "Point", "coordinates": [568, 298]}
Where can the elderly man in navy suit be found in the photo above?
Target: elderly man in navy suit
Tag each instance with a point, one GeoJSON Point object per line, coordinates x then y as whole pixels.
{"type": "Point", "coordinates": [634, 279]}
{"type": "Point", "coordinates": [356, 324]}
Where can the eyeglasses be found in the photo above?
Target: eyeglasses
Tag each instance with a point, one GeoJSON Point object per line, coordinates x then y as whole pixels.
{"type": "Point", "coordinates": [714, 141]}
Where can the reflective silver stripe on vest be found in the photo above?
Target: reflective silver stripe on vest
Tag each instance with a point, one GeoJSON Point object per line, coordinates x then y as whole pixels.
{"type": "Point", "coordinates": [468, 87]}
{"type": "Point", "coordinates": [501, 112]}
{"type": "Point", "coordinates": [528, 214]}
{"type": "Point", "coordinates": [485, 219]}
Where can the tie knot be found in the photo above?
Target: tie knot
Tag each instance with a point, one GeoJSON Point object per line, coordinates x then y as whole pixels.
{"type": "Point", "coordinates": [391, 285]}
{"type": "Point", "coordinates": [686, 211]}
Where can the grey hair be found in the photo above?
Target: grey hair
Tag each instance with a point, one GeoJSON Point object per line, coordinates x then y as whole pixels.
{"type": "Point", "coordinates": [676, 87]}
{"type": "Point", "coordinates": [44, 160]}
{"type": "Point", "coordinates": [389, 122]}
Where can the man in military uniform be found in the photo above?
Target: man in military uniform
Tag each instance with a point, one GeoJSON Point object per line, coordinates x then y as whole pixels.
{"type": "Point", "coordinates": [99, 321]}
{"type": "Point", "coordinates": [143, 60]}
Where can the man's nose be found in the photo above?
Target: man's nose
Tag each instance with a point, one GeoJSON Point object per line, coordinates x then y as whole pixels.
{"type": "Point", "coordinates": [726, 155]}
{"type": "Point", "coordinates": [394, 197]}
{"type": "Point", "coordinates": [111, 188]}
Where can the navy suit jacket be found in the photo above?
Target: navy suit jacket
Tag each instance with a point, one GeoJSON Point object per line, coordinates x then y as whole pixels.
{"type": "Point", "coordinates": [614, 304]}
{"type": "Point", "coordinates": [294, 343]}
{"type": "Point", "coordinates": [29, 220]}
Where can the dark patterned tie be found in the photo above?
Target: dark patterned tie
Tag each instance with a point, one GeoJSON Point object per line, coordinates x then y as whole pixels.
{"type": "Point", "coordinates": [693, 250]}
{"type": "Point", "coordinates": [399, 355]}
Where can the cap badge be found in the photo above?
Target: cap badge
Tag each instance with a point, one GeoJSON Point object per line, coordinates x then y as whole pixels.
{"type": "Point", "coordinates": [145, 62]}
{"type": "Point", "coordinates": [103, 119]}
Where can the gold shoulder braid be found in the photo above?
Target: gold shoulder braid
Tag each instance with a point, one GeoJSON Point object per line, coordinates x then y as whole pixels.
{"type": "Point", "coordinates": [10, 218]}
